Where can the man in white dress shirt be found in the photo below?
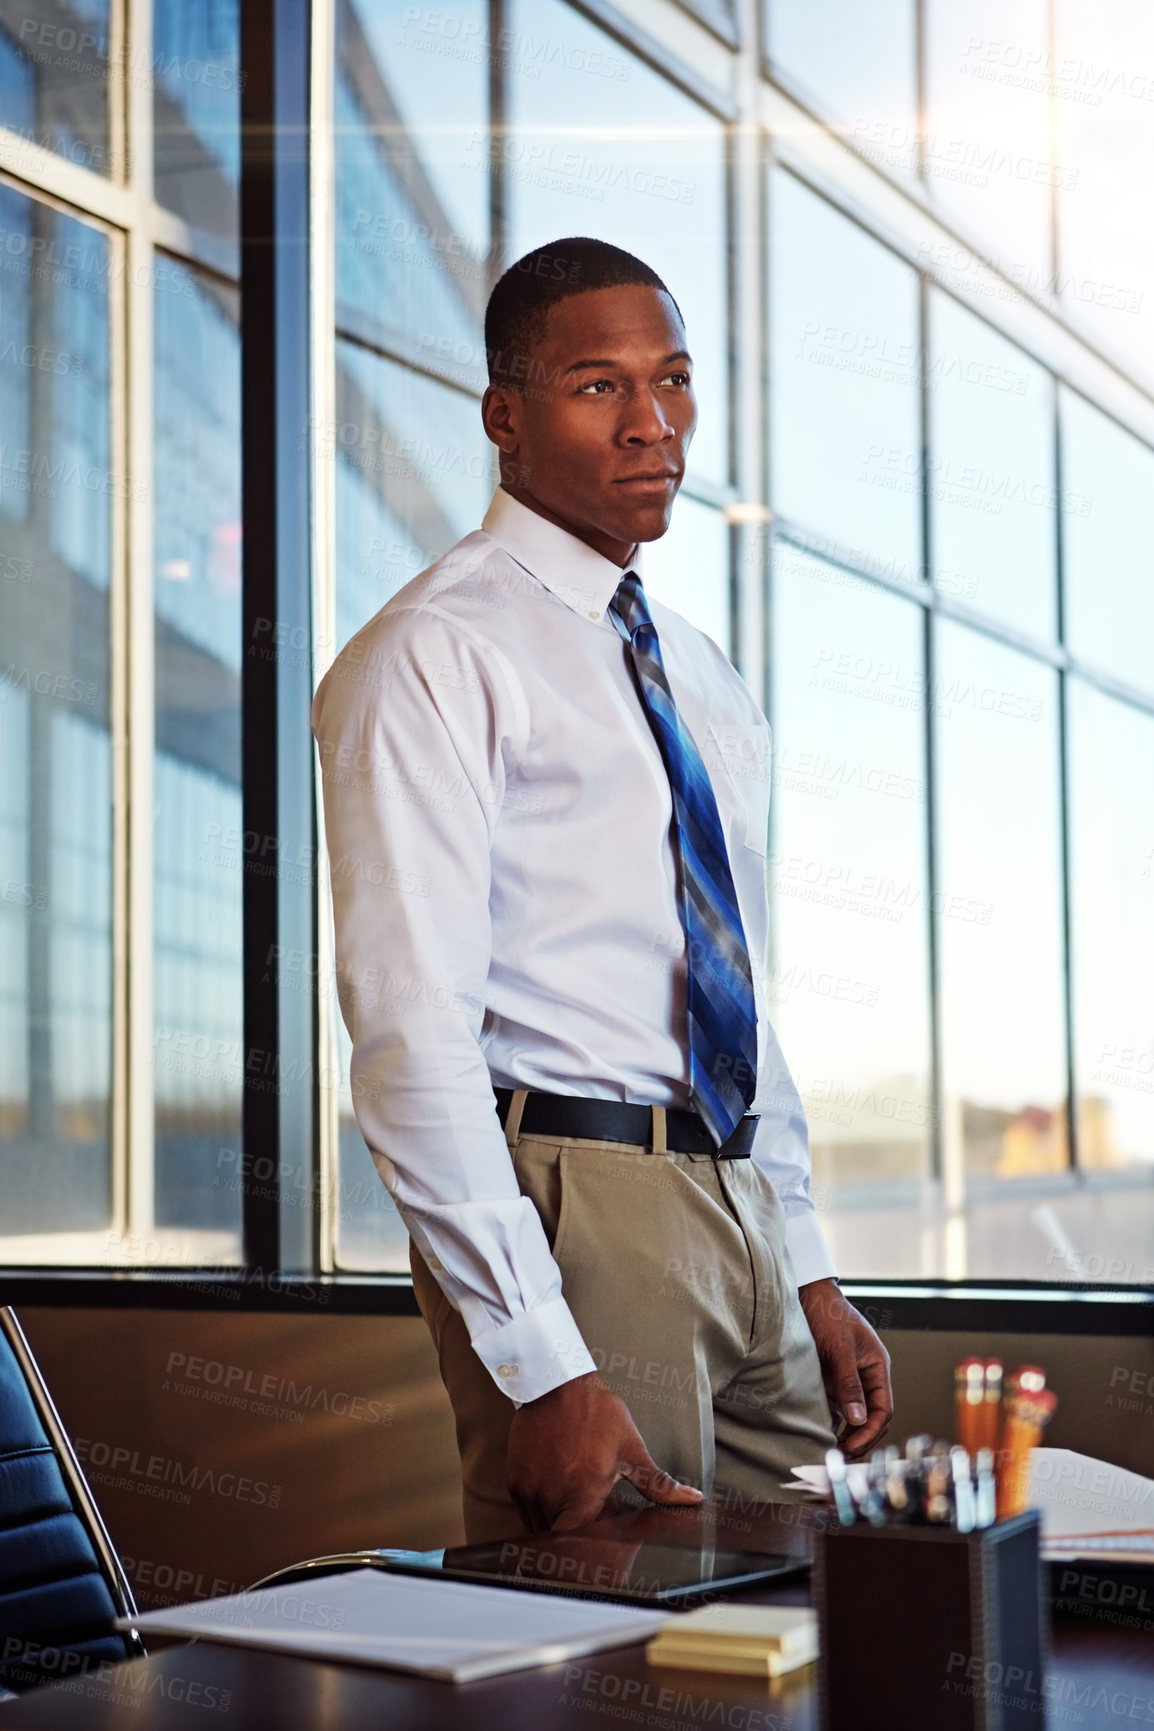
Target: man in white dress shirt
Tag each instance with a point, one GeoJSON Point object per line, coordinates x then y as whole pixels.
{"type": "Point", "coordinates": [613, 1294]}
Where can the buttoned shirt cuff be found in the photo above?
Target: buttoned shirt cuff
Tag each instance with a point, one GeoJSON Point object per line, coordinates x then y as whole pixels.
{"type": "Point", "coordinates": [808, 1250]}
{"type": "Point", "coordinates": [534, 1353]}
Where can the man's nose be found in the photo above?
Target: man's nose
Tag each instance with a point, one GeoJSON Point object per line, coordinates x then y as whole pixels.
{"type": "Point", "coordinates": [645, 421]}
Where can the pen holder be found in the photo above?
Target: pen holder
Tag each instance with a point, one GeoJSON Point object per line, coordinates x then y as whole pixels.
{"type": "Point", "coordinates": [926, 1626]}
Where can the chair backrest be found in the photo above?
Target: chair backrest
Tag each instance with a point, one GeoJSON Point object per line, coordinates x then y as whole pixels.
{"type": "Point", "coordinates": [61, 1583]}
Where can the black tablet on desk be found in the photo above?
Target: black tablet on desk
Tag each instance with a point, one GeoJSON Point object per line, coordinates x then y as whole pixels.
{"type": "Point", "coordinates": [644, 1573]}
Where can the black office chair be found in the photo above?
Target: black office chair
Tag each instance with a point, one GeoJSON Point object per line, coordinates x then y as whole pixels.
{"type": "Point", "coordinates": [61, 1583]}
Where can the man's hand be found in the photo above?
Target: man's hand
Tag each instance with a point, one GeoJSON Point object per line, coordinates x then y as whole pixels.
{"type": "Point", "coordinates": [855, 1366]}
{"type": "Point", "coordinates": [569, 1448]}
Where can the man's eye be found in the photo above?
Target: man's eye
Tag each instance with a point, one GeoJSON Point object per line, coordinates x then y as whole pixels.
{"type": "Point", "coordinates": [681, 379]}
{"type": "Point", "coordinates": [598, 385]}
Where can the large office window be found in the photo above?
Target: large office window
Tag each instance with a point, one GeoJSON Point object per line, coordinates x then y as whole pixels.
{"type": "Point", "coordinates": [857, 64]}
{"type": "Point", "coordinates": [412, 208]}
{"type": "Point", "coordinates": [1101, 81]}
{"type": "Point", "coordinates": [57, 486]}
{"type": "Point", "coordinates": [122, 1075]}
{"type": "Point", "coordinates": [849, 981]}
{"type": "Point", "coordinates": [1000, 924]}
{"type": "Point", "coordinates": [987, 153]}
{"type": "Point", "coordinates": [845, 443]}
{"type": "Point", "coordinates": [991, 475]}
{"type": "Point", "coordinates": [196, 113]}
{"type": "Point", "coordinates": [1112, 795]}
{"type": "Point", "coordinates": [199, 842]}
{"type": "Point", "coordinates": [200, 846]}
{"type": "Point", "coordinates": [916, 515]}
{"type": "Point", "coordinates": [1010, 1161]}
{"type": "Point", "coordinates": [54, 81]}
{"type": "Point", "coordinates": [1108, 478]}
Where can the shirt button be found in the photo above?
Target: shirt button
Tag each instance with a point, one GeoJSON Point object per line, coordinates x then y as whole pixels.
{"type": "Point", "coordinates": [506, 1370]}
{"type": "Point", "coordinates": [594, 615]}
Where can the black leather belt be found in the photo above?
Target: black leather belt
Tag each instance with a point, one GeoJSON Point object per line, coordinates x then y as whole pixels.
{"type": "Point", "coordinates": [615, 1121]}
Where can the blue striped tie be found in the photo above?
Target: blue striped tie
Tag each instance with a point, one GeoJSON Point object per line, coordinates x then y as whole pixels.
{"type": "Point", "coordinates": [722, 1012]}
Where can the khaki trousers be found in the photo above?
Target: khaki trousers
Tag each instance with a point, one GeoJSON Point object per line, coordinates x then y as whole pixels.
{"type": "Point", "coordinates": [676, 1270]}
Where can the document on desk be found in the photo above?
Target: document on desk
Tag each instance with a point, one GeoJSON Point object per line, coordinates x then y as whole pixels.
{"type": "Point", "coordinates": [1091, 1509]}
{"type": "Point", "coordinates": [447, 1629]}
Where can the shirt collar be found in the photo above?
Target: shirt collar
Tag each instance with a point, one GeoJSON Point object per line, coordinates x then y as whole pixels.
{"type": "Point", "coordinates": [563, 564]}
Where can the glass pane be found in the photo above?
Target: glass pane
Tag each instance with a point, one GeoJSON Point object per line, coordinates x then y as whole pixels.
{"type": "Point", "coordinates": [989, 160]}
{"type": "Point", "coordinates": [415, 474]}
{"type": "Point", "coordinates": [54, 80]}
{"type": "Point", "coordinates": [1108, 537]}
{"type": "Point", "coordinates": [1112, 925]}
{"type": "Point", "coordinates": [992, 498]}
{"type": "Point", "coordinates": [598, 143]}
{"type": "Point", "coordinates": [849, 989]}
{"type": "Point", "coordinates": [412, 225]}
{"type": "Point", "coordinates": [1001, 949]}
{"type": "Point", "coordinates": [56, 492]}
{"type": "Point", "coordinates": [857, 63]}
{"type": "Point", "coordinates": [199, 833]}
{"type": "Point", "coordinates": [688, 568]}
{"type": "Point", "coordinates": [1102, 79]}
{"type": "Point", "coordinates": [845, 445]}
{"type": "Point", "coordinates": [196, 112]}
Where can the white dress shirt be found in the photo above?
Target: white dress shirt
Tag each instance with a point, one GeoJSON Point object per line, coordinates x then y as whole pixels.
{"type": "Point", "coordinates": [505, 897]}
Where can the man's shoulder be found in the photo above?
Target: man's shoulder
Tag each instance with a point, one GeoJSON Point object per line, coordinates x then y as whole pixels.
{"type": "Point", "coordinates": [474, 581]}
{"type": "Point", "coordinates": [470, 585]}
{"type": "Point", "coordinates": [448, 616]}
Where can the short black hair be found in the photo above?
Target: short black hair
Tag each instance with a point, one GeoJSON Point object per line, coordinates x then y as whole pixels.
{"type": "Point", "coordinates": [520, 303]}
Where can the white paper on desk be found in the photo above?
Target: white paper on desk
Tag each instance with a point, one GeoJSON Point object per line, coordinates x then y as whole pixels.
{"type": "Point", "coordinates": [816, 1479]}
{"type": "Point", "coordinates": [449, 1629]}
{"type": "Point", "coordinates": [1089, 1505]}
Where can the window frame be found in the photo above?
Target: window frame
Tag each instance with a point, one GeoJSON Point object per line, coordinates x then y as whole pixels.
{"type": "Point", "coordinates": [287, 63]}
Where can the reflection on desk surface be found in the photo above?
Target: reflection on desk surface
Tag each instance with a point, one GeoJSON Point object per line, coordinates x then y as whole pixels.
{"type": "Point", "coordinates": [605, 1567]}
{"type": "Point", "coordinates": [1100, 1673]}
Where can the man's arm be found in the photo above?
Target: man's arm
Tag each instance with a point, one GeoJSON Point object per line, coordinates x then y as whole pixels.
{"type": "Point", "coordinates": [855, 1366]}
{"type": "Point", "coordinates": [410, 726]}
{"type": "Point", "coordinates": [413, 723]}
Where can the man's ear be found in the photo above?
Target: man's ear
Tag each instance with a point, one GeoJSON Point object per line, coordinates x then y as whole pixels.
{"type": "Point", "coordinates": [502, 414]}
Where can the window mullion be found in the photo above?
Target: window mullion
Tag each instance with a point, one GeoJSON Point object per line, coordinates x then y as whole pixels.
{"type": "Point", "coordinates": [137, 643]}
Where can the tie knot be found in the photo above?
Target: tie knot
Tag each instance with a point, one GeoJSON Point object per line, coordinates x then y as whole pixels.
{"type": "Point", "coordinates": [630, 604]}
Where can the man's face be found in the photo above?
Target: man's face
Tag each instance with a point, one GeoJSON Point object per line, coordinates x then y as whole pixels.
{"type": "Point", "coordinates": [597, 440]}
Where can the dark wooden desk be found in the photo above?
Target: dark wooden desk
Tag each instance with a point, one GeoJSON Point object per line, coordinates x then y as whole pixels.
{"type": "Point", "coordinates": [1100, 1676]}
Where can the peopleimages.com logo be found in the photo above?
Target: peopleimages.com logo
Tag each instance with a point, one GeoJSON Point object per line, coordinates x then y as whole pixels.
{"type": "Point", "coordinates": [125, 1468]}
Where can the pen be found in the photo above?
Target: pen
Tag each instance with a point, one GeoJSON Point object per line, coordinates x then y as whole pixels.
{"type": "Point", "coordinates": [897, 1490]}
{"type": "Point", "coordinates": [1026, 1417]}
{"type": "Point", "coordinates": [917, 1447]}
{"type": "Point", "coordinates": [936, 1507]}
{"type": "Point", "coordinates": [873, 1502]}
{"type": "Point", "coordinates": [1027, 1379]}
{"type": "Point", "coordinates": [965, 1511]}
{"type": "Point", "coordinates": [987, 1436]}
{"type": "Point", "coordinates": [839, 1485]}
{"type": "Point", "coordinates": [985, 1493]}
{"type": "Point", "coordinates": [969, 1396]}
